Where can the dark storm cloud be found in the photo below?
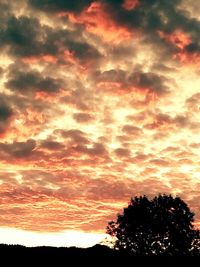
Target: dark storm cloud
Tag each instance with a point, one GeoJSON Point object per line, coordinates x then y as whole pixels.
{"type": "Point", "coordinates": [193, 48]}
{"type": "Point", "coordinates": [31, 81]}
{"type": "Point", "coordinates": [5, 12]}
{"type": "Point", "coordinates": [21, 35]}
{"type": "Point", "coordinates": [83, 51]}
{"type": "Point", "coordinates": [57, 41]}
{"type": "Point", "coordinates": [60, 5]}
{"type": "Point", "coordinates": [18, 149]}
{"type": "Point", "coordinates": [26, 37]}
{"type": "Point", "coordinates": [146, 16]}
{"type": "Point", "coordinates": [5, 112]}
{"type": "Point", "coordinates": [149, 80]}
{"type": "Point", "coordinates": [5, 115]}
{"type": "Point", "coordinates": [155, 83]}
{"type": "Point", "coordinates": [151, 16]}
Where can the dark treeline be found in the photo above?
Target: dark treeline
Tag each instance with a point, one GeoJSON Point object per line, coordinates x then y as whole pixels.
{"type": "Point", "coordinates": [98, 255]}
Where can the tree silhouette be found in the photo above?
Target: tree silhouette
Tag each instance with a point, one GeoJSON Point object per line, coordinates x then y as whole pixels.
{"type": "Point", "coordinates": [162, 225]}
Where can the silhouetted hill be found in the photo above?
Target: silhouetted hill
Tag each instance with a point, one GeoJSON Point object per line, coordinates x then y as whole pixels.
{"type": "Point", "coordinates": [97, 255]}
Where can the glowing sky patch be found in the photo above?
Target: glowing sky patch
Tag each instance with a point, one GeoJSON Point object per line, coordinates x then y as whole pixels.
{"type": "Point", "coordinates": [99, 101]}
{"type": "Point", "coordinates": [62, 239]}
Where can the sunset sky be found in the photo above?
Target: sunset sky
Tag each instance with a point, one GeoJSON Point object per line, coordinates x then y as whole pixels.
{"type": "Point", "coordinates": [99, 101]}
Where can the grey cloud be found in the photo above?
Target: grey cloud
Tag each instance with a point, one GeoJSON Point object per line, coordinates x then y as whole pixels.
{"type": "Point", "coordinates": [114, 75]}
{"type": "Point", "coordinates": [80, 97]}
{"type": "Point", "coordinates": [25, 36]}
{"type": "Point", "coordinates": [75, 135]}
{"type": "Point", "coordinates": [152, 15]}
{"type": "Point", "coordinates": [21, 35]}
{"type": "Point", "coordinates": [180, 121]}
{"type": "Point", "coordinates": [31, 81]}
{"type": "Point", "coordinates": [83, 51]}
{"type": "Point", "coordinates": [122, 152]}
{"type": "Point", "coordinates": [157, 15]}
{"type": "Point", "coordinates": [6, 114]}
{"type": "Point", "coordinates": [141, 80]}
{"type": "Point", "coordinates": [149, 80]}
{"type": "Point", "coordinates": [51, 145]}
{"type": "Point", "coordinates": [97, 149]}
{"type": "Point", "coordinates": [83, 117]}
{"type": "Point", "coordinates": [60, 5]}
{"type": "Point", "coordinates": [18, 149]}
{"type": "Point", "coordinates": [1, 71]}
{"type": "Point", "coordinates": [193, 48]}
{"type": "Point", "coordinates": [131, 130]}
{"type": "Point", "coordinates": [193, 102]}
{"type": "Point", "coordinates": [58, 40]}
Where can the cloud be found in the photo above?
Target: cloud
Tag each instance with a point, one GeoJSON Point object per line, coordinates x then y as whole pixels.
{"type": "Point", "coordinates": [113, 75]}
{"type": "Point", "coordinates": [122, 152]}
{"type": "Point", "coordinates": [34, 42]}
{"type": "Point", "coordinates": [81, 98]}
{"type": "Point", "coordinates": [51, 145]}
{"type": "Point", "coordinates": [59, 6]}
{"type": "Point", "coordinates": [149, 84]}
{"type": "Point", "coordinates": [131, 130]}
{"type": "Point", "coordinates": [193, 102]}
{"type": "Point", "coordinates": [83, 117]}
{"type": "Point", "coordinates": [18, 149]}
{"type": "Point", "coordinates": [32, 81]}
{"type": "Point", "coordinates": [21, 35]}
{"type": "Point", "coordinates": [149, 81]}
{"type": "Point", "coordinates": [75, 135]}
{"type": "Point", "coordinates": [107, 29]}
{"type": "Point", "coordinates": [6, 114]}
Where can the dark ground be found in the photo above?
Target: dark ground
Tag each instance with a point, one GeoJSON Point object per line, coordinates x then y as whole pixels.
{"type": "Point", "coordinates": [15, 255]}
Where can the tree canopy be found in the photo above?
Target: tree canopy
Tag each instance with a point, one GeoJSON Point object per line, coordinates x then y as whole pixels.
{"type": "Point", "coordinates": [159, 226]}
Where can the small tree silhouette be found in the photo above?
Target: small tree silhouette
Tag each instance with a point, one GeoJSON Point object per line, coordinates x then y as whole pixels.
{"type": "Point", "coordinates": [162, 225]}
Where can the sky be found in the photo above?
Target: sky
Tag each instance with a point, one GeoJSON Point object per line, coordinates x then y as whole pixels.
{"type": "Point", "coordinates": [99, 102]}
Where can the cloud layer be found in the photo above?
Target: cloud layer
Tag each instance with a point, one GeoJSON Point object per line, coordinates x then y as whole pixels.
{"type": "Point", "coordinates": [99, 102]}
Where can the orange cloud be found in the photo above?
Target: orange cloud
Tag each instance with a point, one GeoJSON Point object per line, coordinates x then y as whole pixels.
{"type": "Point", "coordinates": [48, 58]}
{"type": "Point", "coordinates": [130, 4]}
{"type": "Point", "coordinates": [177, 38]}
{"type": "Point", "coordinates": [191, 59]}
{"type": "Point", "coordinates": [98, 21]}
{"type": "Point", "coordinates": [180, 40]}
